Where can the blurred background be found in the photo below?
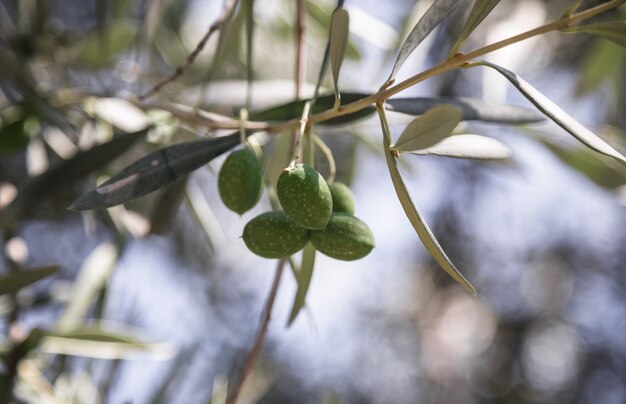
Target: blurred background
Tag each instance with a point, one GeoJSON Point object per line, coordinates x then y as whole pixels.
{"type": "Point", "coordinates": [159, 300]}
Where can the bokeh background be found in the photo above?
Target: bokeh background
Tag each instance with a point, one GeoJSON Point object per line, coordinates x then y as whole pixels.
{"type": "Point", "coordinates": [542, 237]}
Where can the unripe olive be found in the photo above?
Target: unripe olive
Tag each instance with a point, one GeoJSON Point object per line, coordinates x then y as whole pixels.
{"type": "Point", "coordinates": [274, 235]}
{"type": "Point", "coordinates": [343, 200]}
{"type": "Point", "coordinates": [305, 197]}
{"type": "Point", "coordinates": [240, 181]}
{"type": "Point", "coordinates": [344, 238]}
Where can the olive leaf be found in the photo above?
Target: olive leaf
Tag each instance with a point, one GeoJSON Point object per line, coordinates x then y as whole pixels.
{"type": "Point", "coordinates": [481, 9]}
{"type": "Point", "coordinates": [433, 16]}
{"type": "Point", "coordinates": [612, 30]}
{"type": "Point", "coordinates": [304, 280]}
{"type": "Point", "coordinates": [165, 208]}
{"type": "Point", "coordinates": [468, 146]}
{"type": "Point", "coordinates": [556, 114]}
{"type": "Point", "coordinates": [419, 224]}
{"type": "Point", "coordinates": [16, 280]}
{"type": "Point", "coordinates": [155, 170]}
{"type": "Point", "coordinates": [293, 110]}
{"type": "Point", "coordinates": [339, 26]}
{"type": "Point", "coordinates": [60, 176]}
{"type": "Point", "coordinates": [473, 109]}
{"type": "Point", "coordinates": [96, 342]}
{"type": "Point", "coordinates": [428, 129]}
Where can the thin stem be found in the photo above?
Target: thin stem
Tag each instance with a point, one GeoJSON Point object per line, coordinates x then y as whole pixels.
{"type": "Point", "coordinates": [255, 351]}
{"type": "Point", "coordinates": [300, 72]}
{"type": "Point", "coordinates": [297, 146]}
{"type": "Point", "coordinates": [332, 168]}
{"type": "Point", "coordinates": [229, 6]}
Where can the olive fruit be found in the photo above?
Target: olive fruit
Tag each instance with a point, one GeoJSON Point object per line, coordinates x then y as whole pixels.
{"type": "Point", "coordinates": [274, 235]}
{"type": "Point", "coordinates": [240, 181]}
{"type": "Point", "coordinates": [305, 197]}
{"type": "Point", "coordinates": [343, 200]}
{"type": "Point", "coordinates": [344, 238]}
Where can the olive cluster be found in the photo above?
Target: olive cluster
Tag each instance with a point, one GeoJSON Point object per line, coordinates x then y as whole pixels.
{"type": "Point", "coordinates": [312, 211]}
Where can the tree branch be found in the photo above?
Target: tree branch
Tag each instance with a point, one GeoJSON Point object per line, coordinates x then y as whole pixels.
{"type": "Point", "coordinates": [255, 351]}
{"type": "Point", "coordinates": [229, 7]}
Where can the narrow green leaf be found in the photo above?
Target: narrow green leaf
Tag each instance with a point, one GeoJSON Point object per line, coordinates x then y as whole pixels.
{"type": "Point", "coordinates": [155, 170]}
{"type": "Point", "coordinates": [481, 9]}
{"type": "Point", "coordinates": [612, 30]}
{"type": "Point", "coordinates": [429, 129]}
{"type": "Point", "coordinates": [61, 176]}
{"type": "Point", "coordinates": [14, 281]}
{"type": "Point", "coordinates": [433, 16]}
{"type": "Point", "coordinates": [166, 206]}
{"type": "Point", "coordinates": [473, 109]}
{"type": "Point", "coordinates": [92, 277]}
{"type": "Point", "coordinates": [339, 26]}
{"type": "Point", "coordinates": [423, 231]}
{"type": "Point", "coordinates": [95, 342]}
{"type": "Point", "coordinates": [304, 280]}
{"type": "Point", "coordinates": [13, 137]}
{"type": "Point", "coordinates": [468, 147]}
{"type": "Point", "coordinates": [556, 114]}
{"type": "Point", "coordinates": [293, 110]}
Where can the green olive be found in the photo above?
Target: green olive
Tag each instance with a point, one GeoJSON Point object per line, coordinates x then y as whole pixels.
{"type": "Point", "coordinates": [345, 238]}
{"type": "Point", "coordinates": [343, 200]}
{"type": "Point", "coordinates": [274, 235]}
{"type": "Point", "coordinates": [305, 197]}
{"type": "Point", "coordinates": [240, 181]}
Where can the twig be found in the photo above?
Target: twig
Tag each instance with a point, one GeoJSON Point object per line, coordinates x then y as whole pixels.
{"type": "Point", "coordinates": [229, 6]}
{"type": "Point", "coordinates": [255, 351]}
{"type": "Point", "coordinates": [300, 73]}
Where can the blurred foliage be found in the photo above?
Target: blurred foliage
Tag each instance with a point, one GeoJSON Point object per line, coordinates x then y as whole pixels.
{"type": "Point", "coordinates": [61, 63]}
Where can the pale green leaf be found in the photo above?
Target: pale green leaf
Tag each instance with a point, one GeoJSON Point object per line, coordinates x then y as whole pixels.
{"type": "Point", "coordinates": [473, 109]}
{"type": "Point", "coordinates": [429, 129]}
{"type": "Point", "coordinates": [556, 114]}
{"type": "Point", "coordinates": [339, 25]}
{"type": "Point", "coordinates": [481, 9]}
{"type": "Point", "coordinates": [304, 280]}
{"type": "Point", "coordinates": [14, 281]}
{"type": "Point", "coordinates": [613, 31]}
{"type": "Point", "coordinates": [419, 224]}
{"type": "Point", "coordinates": [468, 147]}
{"type": "Point", "coordinates": [431, 18]}
{"type": "Point", "coordinates": [95, 342]}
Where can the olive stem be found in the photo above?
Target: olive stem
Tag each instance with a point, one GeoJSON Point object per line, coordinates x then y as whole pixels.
{"type": "Point", "coordinates": [332, 167]}
{"type": "Point", "coordinates": [255, 351]}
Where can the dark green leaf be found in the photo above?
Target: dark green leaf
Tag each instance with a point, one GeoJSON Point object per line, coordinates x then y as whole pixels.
{"type": "Point", "coordinates": [613, 31]}
{"type": "Point", "coordinates": [13, 137]}
{"type": "Point", "coordinates": [14, 281]}
{"type": "Point", "coordinates": [433, 16]}
{"type": "Point", "coordinates": [481, 9]}
{"type": "Point", "coordinates": [293, 110]}
{"type": "Point", "coordinates": [468, 147]}
{"type": "Point", "coordinates": [419, 224]}
{"type": "Point", "coordinates": [589, 163]}
{"type": "Point", "coordinates": [604, 63]}
{"type": "Point", "coordinates": [556, 114]}
{"type": "Point", "coordinates": [429, 129]}
{"type": "Point", "coordinates": [304, 280]}
{"type": "Point", "coordinates": [63, 175]}
{"type": "Point", "coordinates": [339, 26]}
{"type": "Point", "coordinates": [155, 170]}
{"type": "Point", "coordinates": [473, 109]}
